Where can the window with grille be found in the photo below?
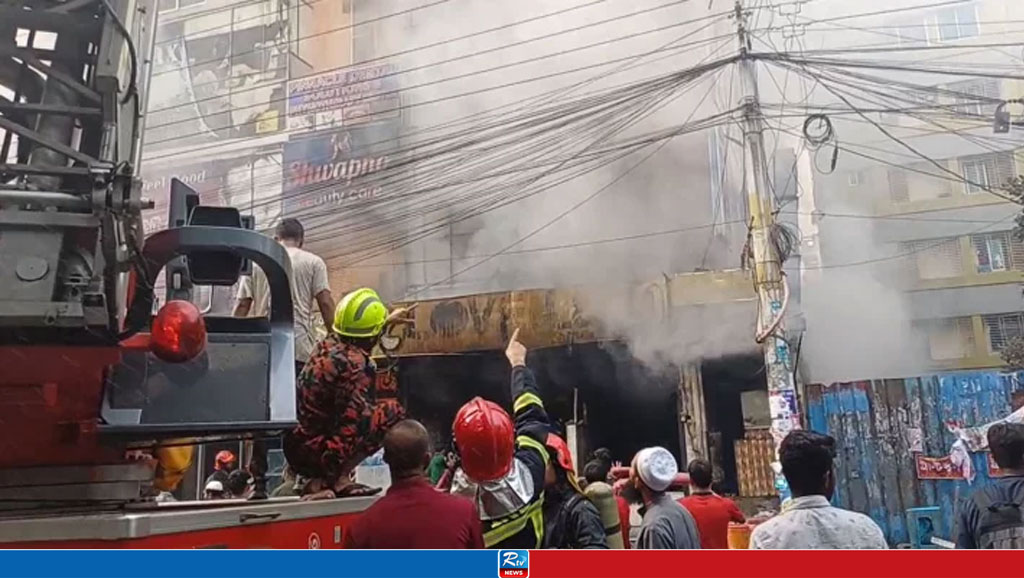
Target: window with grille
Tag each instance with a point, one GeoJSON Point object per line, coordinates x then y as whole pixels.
{"type": "Point", "coordinates": [950, 339]}
{"type": "Point", "coordinates": [978, 97]}
{"type": "Point", "coordinates": [936, 258]}
{"type": "Point", "coordinates": [998, 252]}
{"type": "Point", "coordinates": [1002, 328]}
{"type": "Point", "coordinates": [954, 23]}
{"type": "Point", "coordinates": [986, 172]}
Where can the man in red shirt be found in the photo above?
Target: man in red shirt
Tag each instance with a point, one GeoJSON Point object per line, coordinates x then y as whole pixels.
{"type": "Point", "coordinates": [711, 511]}
{"type": "Point", "coordinates": [413, 515]}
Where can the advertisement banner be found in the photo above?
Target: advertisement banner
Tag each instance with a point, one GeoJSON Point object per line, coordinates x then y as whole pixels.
{"type": "Point", "coordinates": [216, 87]}
{"type": "Point", "coordinates": [355, 95]}
{"type": "Point", "coordinates": [249, 182]}
{"type": "Point", "coordinates": [336, 168]}
{"type": "Point", "coordinates": [936, 468]}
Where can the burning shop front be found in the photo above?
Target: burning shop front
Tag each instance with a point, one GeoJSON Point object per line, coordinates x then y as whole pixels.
{"type": "Point", "coordinates": [595, 386]}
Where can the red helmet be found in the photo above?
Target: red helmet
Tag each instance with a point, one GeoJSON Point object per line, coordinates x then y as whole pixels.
{"type": "Point", "coordinates": [563, 458]}
{"type": "Point", "coordinates": [223, 458]}
{"type": "Point", "coordinates": [561, 451]}
{"type": "Point", "coordinates": [485, 437]}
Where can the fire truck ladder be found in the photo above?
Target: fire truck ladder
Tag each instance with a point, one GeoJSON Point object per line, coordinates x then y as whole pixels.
{"type": "Point", "coordinates": [70, 101]}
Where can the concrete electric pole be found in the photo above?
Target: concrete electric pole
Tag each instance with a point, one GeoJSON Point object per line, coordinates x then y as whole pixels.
{"type": "Point", "coordinates": [772, 290]}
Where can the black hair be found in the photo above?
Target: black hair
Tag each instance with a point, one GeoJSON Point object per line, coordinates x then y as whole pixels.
{"type": "Point", "coordinates": [1006, 442]}
{"type": "Point", "coordinates": [603, 455]}
{"type": "Point", "coordinates": [806, 458]}
{"type": "Point", "coordinates": [596, 471]}
{"type": "Point", "coordinates": [238, 480]}
{"type": "Point", "coordinates": [365, 343]}
{"type": "Point", "coordinates": [290, 230]}
{"type": "Point", "coordinates": [701, 474]}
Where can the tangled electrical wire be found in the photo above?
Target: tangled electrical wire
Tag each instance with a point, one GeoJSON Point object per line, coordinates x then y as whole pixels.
{"type": "Point", "coordinates": [785, 240]}
{"type": "Point", "coordinates": [819, 133]}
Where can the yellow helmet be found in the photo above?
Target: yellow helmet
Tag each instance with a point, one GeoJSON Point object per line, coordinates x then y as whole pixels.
{"type": "Point", "coordinates": [360, 313]}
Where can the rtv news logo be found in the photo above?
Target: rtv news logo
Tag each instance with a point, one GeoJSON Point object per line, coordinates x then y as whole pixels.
{"type": "Point", "coordinates": [513, 563]}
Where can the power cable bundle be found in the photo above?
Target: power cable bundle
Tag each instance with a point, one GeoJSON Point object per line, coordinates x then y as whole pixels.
{"type": "Point", "coordinates": [819, 132]}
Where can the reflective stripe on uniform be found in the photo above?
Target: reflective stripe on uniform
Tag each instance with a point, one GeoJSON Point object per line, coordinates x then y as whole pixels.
{"type": "Point", "coordinates": [526, 399]}
{"type": "Point", "coordinates": [529, 442]}
{"type": "Point", "coordinates": [512, 525]}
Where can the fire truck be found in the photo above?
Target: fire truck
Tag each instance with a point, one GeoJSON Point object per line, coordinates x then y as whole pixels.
{"type": "Point", "coordinates": [87, 371]}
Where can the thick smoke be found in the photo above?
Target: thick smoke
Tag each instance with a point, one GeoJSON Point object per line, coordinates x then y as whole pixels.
{"type": "Point", "coordinates": [654, 217]}
{"type": "Point", "coordinates": [859, 322]}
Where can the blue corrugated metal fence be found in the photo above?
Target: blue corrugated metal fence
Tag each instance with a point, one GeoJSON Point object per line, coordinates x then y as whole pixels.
{"type": "Point", "coordinates": [874, 422]}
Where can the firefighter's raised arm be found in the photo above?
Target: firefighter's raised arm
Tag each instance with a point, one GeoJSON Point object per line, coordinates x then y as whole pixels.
{"type": "Point", "coordinates": [527, 405]}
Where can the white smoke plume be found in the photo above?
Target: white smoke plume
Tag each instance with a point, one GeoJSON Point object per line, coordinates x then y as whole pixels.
{"type": "Point", "coordinates": [661, 214]}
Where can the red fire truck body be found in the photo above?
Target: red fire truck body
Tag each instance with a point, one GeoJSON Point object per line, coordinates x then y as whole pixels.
{"type": "Point", "coordinates": [279, 523]}
{"type": "Point", "coordinates": [86, 380]}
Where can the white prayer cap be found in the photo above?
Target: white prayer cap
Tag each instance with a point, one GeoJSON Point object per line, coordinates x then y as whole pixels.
{"type": "Point", "coordinates": [656, 467]}
{"type": "Point", "coordinates": [214, 486]}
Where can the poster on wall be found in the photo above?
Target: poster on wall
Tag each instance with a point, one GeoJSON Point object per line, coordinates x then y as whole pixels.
{"type": "Point", "coordinates": [213, 87]}
{"type": "Point", "coordinates": [915, 439]}
{"type": "Point", "coordinates": [330, 170]}
{"type": "Point", "coordinates": [936, 468]}
{"type": "Point", "coordinates": [350, 96]}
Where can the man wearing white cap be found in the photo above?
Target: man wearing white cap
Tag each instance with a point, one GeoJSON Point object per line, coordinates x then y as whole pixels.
{"type": "Point", "coordinates": [666, 524]}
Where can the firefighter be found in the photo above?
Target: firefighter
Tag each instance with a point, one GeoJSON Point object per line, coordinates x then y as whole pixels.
{"type": "Point", "coordinates": [341, 421]}
{"type": "Point", "coordinates": [223, 464]}
{"type": "Point", "coordinates": [571, 521]}
{"type": "Point", "coordinates": [507, 462]}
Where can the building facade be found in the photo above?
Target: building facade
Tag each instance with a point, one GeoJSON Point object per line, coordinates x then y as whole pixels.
{"type": "Point", "coordinates": [929, 193]}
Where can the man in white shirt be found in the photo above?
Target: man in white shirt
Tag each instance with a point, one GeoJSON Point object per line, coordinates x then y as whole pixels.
{"type": "Point", "coordinates": [310, 291]}
{"type": "Point", "coordinates": [809, 521]}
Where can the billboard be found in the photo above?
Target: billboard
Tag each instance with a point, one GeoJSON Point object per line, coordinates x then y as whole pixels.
{"type": "Point", "coordinates": [216, 87]}
{"type": "Point", "coordinates": [249, 182]}
{"type": "Point", "coordinates": [336, 168]}
{"type": "Point", "coordinates": [345, 97]}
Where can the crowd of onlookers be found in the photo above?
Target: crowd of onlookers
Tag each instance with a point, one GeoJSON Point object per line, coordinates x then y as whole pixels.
{"type": "Point", "coordinates": [990, 518]}
{"type": "Point", "coordinates": [508, 479]}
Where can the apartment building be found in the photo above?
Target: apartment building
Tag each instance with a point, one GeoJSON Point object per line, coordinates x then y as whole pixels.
{"type": "Point", "coordinates": [943, 233]}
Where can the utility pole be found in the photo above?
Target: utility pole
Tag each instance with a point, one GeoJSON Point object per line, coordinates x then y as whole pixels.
{"type": "Point", "coordinates": [772, 290]}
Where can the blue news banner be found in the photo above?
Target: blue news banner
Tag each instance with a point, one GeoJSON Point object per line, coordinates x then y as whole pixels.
{"type": "Point", "coordinates": [264, 563]}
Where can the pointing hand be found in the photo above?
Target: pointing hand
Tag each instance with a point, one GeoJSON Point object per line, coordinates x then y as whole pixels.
{"type": "Point", "coordinates": [516, 351]}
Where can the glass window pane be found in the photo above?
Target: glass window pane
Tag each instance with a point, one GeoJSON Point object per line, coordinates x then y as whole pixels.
{"type": "Point", "coordinates": [982, 255]}
{"type": "Point", "coordinates": [967, 21]}
{"type": "Point", "coordinates": [946, 21]}
{"type": "Point", "coordinates": [997, 253]}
